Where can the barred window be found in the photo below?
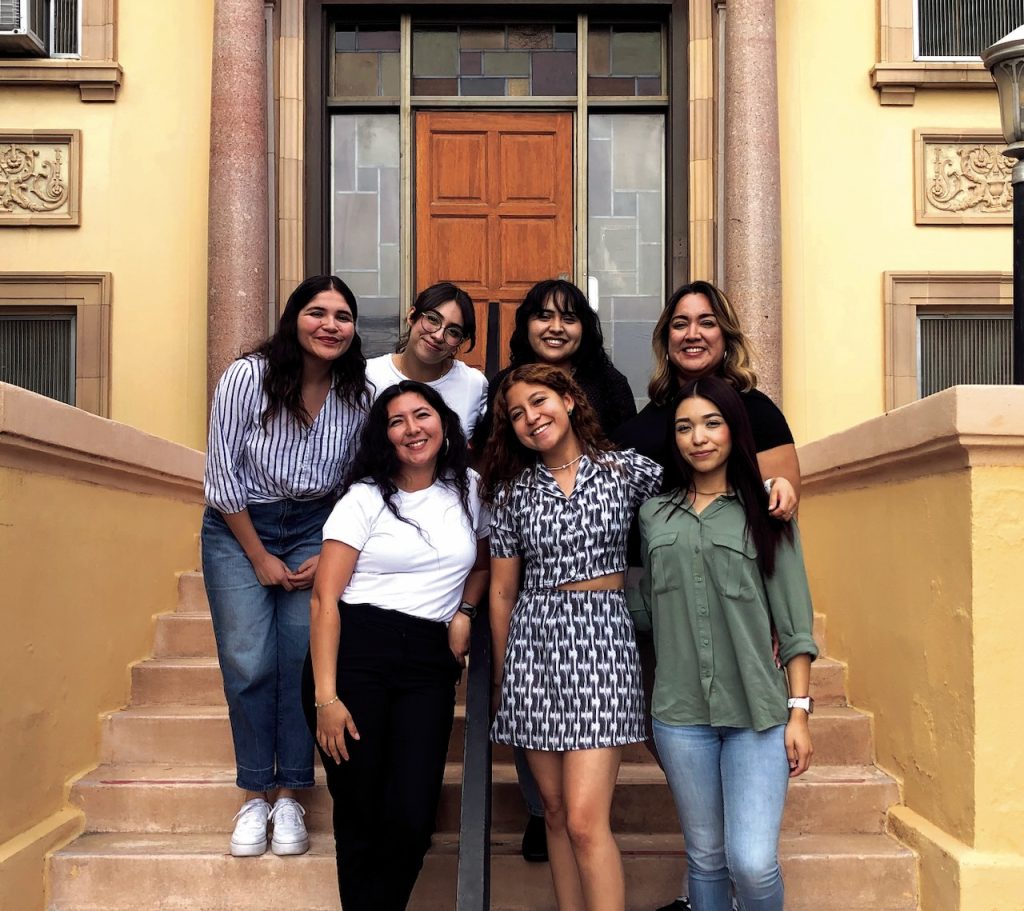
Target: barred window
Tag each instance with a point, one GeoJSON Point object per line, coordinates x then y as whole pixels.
{"type": "Point", "coordinates": [40, 28]}
{"type": "Point", "coordinates": [37, 352]}
{"type": "Point", "coordinates": [960, 348]}
{"type": "Point", "coordinates": [962, 29]}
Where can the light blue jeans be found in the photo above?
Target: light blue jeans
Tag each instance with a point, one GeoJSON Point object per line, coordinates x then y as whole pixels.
{"type": "Point", "coordinates": [729, 786]}
{"type": "Point", "coordinates": [262, 638]}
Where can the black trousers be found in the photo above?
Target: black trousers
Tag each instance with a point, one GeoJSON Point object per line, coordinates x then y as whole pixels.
{"type": "Point", "coordinates": [397, 677]}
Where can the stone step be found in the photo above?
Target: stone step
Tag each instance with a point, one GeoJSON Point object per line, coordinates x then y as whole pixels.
{"type": "Point", "coordinates": [199, 735]}
{"type": "Point", "coordinates": [189, 634]}
{"type": "Point", "coordinates": [161, 797]}
{"type": "Point", "coordinates": [192, 594]}
{"type": "Point", "coordinates": [126, 872]}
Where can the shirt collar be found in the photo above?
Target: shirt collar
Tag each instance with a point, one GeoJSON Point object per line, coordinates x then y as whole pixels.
{"type": "Point", "coordinates": [540, 478]}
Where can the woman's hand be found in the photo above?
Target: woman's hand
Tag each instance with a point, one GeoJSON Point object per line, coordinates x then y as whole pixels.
{"type": "Point", "coordinates": [798, 743]}
{"type": "Point", "coordinates": [303, 576]}
{"type": "Point", "coordinates": [458, 637]}
{"type": "Point", "coordinates": [332, 721]}
{"type": "Point", "coordinates": [272, 571]}
{"type": "Point", "coordinates": [782, 501]}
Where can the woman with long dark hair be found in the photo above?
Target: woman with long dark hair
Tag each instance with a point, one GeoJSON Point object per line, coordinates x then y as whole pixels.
{"type": "Point", "coordinates": [566, 668]}
{"type": "Point", "coordinates": [441, 321]}
{"type": "Point", "coordinates": [725, 590]}
{"type": "Point", "coordinates": [403, 570]}
{"type": "Point", "coordinates": [282, 426]}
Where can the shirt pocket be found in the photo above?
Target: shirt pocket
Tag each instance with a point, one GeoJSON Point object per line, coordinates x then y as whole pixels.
{"type": "Point", "coordinates": [736, 568]}
{"type": "Point", "coordinates": [663, 563]}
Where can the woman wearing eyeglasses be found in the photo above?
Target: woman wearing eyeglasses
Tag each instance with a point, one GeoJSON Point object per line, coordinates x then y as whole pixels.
{"type": "Point", "coordinates": [441, 320]}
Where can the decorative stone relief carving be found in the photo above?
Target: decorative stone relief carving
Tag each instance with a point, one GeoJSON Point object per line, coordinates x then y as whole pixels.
{"type": "Point", "coordinates": [39, 178]}
{"type": "Point", "coordinates": [962, 178]}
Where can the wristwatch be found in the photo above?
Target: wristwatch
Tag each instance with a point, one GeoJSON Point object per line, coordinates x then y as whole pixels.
{"type": "Point", "coordinates": [801, 702]}
{"type": "Point", "coordinates": [468, 609]}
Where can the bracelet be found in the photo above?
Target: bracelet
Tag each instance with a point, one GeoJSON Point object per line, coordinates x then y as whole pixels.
{"type": "Point", "coordinates": [323, 705]}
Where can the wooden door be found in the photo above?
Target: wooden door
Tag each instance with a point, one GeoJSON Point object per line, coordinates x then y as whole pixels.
{"type": "Point", "coordinates": [494, 209]}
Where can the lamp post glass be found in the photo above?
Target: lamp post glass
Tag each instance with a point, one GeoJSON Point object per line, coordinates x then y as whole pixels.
{"type": "Point", "coordinates": [1005, 60]}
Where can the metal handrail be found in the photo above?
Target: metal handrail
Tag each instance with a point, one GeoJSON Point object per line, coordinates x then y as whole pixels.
{"type": "Point", "coordinates": [474, 885]}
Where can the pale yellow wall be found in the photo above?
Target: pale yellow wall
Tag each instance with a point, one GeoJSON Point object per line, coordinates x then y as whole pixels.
{"type": "Point", "coordinates": [890, 565]}
{"type": "Point", "coordinates": [144, 196]}
{"type": "Point", "coordinates": [848, 208]}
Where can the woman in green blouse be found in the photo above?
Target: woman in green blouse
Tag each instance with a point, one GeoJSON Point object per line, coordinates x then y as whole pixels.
{"type": "Point", "coordinates": [726, 592]}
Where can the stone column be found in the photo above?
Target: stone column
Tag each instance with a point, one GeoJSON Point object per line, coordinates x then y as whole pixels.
{"type": "Point", "coordinates": [753, 243]}
{"type": "Point", "coordinates": [238, 246]}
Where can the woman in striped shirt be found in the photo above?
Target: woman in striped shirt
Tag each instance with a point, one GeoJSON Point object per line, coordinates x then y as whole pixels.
{"type": "Point", "coordinates": [282, 429]}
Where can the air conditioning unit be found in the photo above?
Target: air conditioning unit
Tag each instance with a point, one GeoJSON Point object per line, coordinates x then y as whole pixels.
{"type": "Point", "coordinates": [25, 27]}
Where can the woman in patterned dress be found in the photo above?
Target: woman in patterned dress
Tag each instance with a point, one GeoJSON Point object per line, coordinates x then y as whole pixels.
{"type": "Point", "coordinates": [566, 663]}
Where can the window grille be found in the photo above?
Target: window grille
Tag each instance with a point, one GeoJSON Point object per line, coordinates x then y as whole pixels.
{"type": "Point", "coordinates": [66, 28]}
{"type": "Point", "coordinates": [955, 349]}
{"type": "Point", "coordinates": [37, 352]}
{"type": "Point", "coordinates": [962, 29]}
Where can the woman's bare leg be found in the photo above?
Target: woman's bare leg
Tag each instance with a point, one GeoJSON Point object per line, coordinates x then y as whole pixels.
{"type": "Point", "coordinates": [547, 768]}
{"type": "Point", "coordinates": [588, 783]}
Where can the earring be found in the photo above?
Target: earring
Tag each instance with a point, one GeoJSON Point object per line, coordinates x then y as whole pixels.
{"type": "Point", "coordinates": [445, 446]}
{"type": "Point", "coordinates": [569, 412]}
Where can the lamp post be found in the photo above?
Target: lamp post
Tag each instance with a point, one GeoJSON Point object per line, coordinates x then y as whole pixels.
{"type": "Point", "coordinates": [1005, 60]}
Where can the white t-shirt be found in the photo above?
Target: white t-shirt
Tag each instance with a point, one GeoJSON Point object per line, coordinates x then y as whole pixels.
{"type": "Point", "coordinates": [400, 568]}
{"type": "Point", "coordinates": [463, 388]}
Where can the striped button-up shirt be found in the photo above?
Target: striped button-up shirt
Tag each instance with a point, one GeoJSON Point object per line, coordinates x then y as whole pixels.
{"type": "Point", "coordinates": [246, 463]}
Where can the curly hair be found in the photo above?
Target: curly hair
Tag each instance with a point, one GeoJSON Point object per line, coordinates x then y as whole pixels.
{"type": "Point", "coordinates": [590, 358]}
{"type": "Point", "coordinates": [735, 366]}
{"type": "Point", "coordinates": [437, 296]}
{"type": "Point", "coordinates": [376, 461]}
{"type": "Point", "coordinates": [505, 457]}
{"type": "Point", "coordinates": [742, 473]}
{"type": "Point", "coordinates": [283, 353]}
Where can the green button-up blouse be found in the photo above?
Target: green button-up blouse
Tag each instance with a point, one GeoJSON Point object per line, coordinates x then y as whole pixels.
{"type": "Point", "coordinates": [712, 614]}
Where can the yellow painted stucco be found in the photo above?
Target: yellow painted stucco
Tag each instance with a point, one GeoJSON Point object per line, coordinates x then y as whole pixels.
{"type": "Point", "coordinates": [85, 569]}
{"type": "Point", "coordinates": [847, 178]}
{"type": "Point", "coordinates": [144, 210]}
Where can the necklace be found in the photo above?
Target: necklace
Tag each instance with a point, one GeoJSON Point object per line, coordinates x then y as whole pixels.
{"type": "Point", "coordinates": [567, 464]}
{"type": "Point", "coordinates": [709, 493]}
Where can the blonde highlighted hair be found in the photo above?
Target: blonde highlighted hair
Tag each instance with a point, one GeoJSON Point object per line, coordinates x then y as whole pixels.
{"type": "Point", "coordinates": [736, 364]}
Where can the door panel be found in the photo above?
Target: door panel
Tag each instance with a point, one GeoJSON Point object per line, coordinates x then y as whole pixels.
{"type": "Point", "coordinates": [494, 208]}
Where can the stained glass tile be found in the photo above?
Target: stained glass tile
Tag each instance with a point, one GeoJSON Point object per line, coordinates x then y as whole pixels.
{"type": "Point", "coordinates": [470, 63]}
{"type": "Point", "coordinates": [599, 51]}
{"type": "Point", "coordinates": [636, 53]}
{"type": "Point", "coordinates": [506, 63]}
{"type": "Point", "coordinates": [554, 73]}
{"type": "Point", "coordinates": [435, 86]}
{"type": "Point", "coordinates": [565, 37]}
{"type": "Point", "coordinates": [355, 218]}
{"type": "Point", "coordinates": [366, 179]}
{"type": "Point", "coordinates": [377, 145]}
{"type": "Point", "coordinates": [478, 86]}
{"type": "Point", "coordinates": [519, 87]}
{"type": "Point", "coordinates": [624, 203]}
{"type": "Point", "coordinates": [390, 75]}
{"type": "Point", "coordinates": [389, 205]}
{"type": "Point", "coordinates": [344, 157]}
{"type": "Point", "coordinates": [482, 37]}
{"type": "Point", "coordinates": [435, 53]}
{"type": "Point", "coordinates": [344, 40]}
{"type": "Point", "coordinates": [382, 40]}
{"type": "Point", "coordinates": [531, 37]}
{"type": "Point", "coordinates": [355, 74]}
{"type": "Point", "coordinates": [610, 85]}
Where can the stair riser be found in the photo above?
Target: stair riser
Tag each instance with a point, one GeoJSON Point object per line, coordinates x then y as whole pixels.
{"type": "Point", "coordinates": [180, 635]}
{"type": "Point", "coordinates": [192, 593]}
{"type": "Point", "coordinates": [160, 685]}
{"type": "Point", "coordinates": [199, 807]}
{"type": "Point", "coordinates": [838, 740]}
{"type": "Point", "coordinates": [102, 883]}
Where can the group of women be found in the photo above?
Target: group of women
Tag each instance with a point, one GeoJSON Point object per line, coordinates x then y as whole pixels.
{"type": "Point", "coordinates": [354, 478]}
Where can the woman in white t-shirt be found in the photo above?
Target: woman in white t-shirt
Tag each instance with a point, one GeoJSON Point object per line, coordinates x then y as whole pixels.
{"type": "Point", "coordinates": [403, 567]}
{"type": "Point", "coordinates": [441, 321]}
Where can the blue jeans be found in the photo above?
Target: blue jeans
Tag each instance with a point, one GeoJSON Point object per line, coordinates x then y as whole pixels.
{"type": "Point", "coordinates": [262, 638]}
{"type": "Point", "coordinates": [729, 786]}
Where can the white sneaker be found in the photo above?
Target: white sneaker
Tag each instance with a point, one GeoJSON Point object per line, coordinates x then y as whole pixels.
{"type": "Point", "coordinates": [289, 830]}
{"type": "Point", "coordinates": [250, 836]}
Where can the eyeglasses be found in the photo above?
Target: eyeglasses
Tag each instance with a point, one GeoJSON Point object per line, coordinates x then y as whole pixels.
{"type": "Point", "coordinates": [432, 322]}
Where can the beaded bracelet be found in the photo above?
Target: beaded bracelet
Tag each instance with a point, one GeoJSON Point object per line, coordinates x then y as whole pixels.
{"type": "Point", "coordinates": [323, 705]}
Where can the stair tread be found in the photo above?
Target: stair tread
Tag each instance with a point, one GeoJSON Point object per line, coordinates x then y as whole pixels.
{"type": "Point", "coordinates": [636, 773]}
{"type": "Point", "coordinates": [322, 844]}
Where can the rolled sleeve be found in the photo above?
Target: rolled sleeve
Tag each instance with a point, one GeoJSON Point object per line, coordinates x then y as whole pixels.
{"type": "Point", "coordinates": [236, 399]}
{"type": "Point", "coordinates": [789, 599]}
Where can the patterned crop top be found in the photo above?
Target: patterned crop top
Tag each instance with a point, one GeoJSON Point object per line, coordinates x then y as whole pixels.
{"type": "Point", "coordinates": [569, 539]}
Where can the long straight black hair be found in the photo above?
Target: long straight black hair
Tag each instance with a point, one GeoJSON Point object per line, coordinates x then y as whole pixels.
{"type": "Point", "coordinates": [283, 353]}
{"type": "Point", "coordinates": [741, 471]}
{"type": "Point", "coordinates": [376, 461]}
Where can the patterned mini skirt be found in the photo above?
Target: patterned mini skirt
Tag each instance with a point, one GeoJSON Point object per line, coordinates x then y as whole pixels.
{"type": "Point", "coordinates": [572, 673]}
